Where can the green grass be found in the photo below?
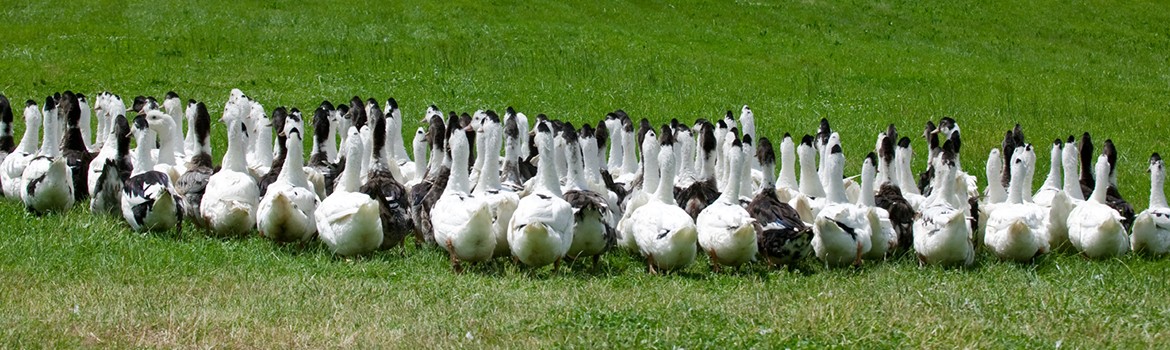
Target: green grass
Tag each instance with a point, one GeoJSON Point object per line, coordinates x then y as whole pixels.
{"type": "Point", "coordinates": [1058, 68]}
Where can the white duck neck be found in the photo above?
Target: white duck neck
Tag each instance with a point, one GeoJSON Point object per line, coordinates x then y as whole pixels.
{"type": "Point", "coordinates": [489, 149]}
{"type": "Point", "coordinates": [1102, 177]}
{"type": "Point", "coordinates": [167, 144]}
{"type": "Point", "coordinates": [458, 182]}
{"type": "Point", "coordinates": [835, 189]}
{"type": "Point", "coordinates": [810, 181]}
{"type": "Point", "coordinates": [745, 177]}
{"type": "Point", "coordinates": [235, 158]}
{"type": "Point", "coordinates": [1157, 196]}
{"type": "Point", "coordinates": [614, 160]}
{"type": "Point", "coordinates": [575, 166]}
{"type": "Point", "coordinates": [787, 165]}
{"type": "Point", "coordinates": [905, 175]}
{"type": "Point", "coordinates": [420, 157]}
{"type": "Point", "coordinates": [32, 132]}
{"type": "Point", "coordinates": [707, 170]}
{"type": "Point", "coordinates": [351, 180]}
{"type": "Point", "coordinates": [668, 166]}
{"type": "Point", "coordinates": [293, 170]}
{"type": "Point", "coordinates": [547, 179]}
{"type": "Point", "coordinates": [589, 155]}
{"type": "Point", "coordinates": [1017, 185]}
{"type": "Point", "coordinates": [1053, 179]}
{"type": "Point", "coordinates": [735, 171]}
{"type": "Point", "coordinates": [651, 170]}
{"type": "Point", "coordinates": [51, 145]}
{"type": "Point", "coordinates": [868, 174]}
{"type": "Point", "coordinates": [629, 160]}
{"type": "Point", "coordinates": [1072, 172]}
{"type": "Point", "coordinates": [143, 161]}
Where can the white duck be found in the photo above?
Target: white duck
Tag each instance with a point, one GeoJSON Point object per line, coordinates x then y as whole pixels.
{"type": "Point", "coordinates": [592, 233]}
{"type": "Point", "coordinates": [1016, 230]}
{"type": "Point", "coordinates": [502, 203]}
{"type": "Point", "coordinates": [348, 221]}
{"type": "Point", "coordinates": [665, 234]}
{"type": "Point", "coordinates": [462, 222]}
{"type": "Point", "coordinates": [149, 201]}
{"type": "Point", "coordinates": [726, 232]}
{"type": "Point", "coordinates": [106, 196]}
{"type": "Point", "coordinates": [842, 231]}
{"type": "Point", "coordinates": [883, 238]}
{"type": "Point", "coordinates": [12, 168]}
{"type": "Point", "coordinates": [285, 213]}
{"type": "Point", "coordinates": [643, 195]}
{"type": "Point", "coordinates": [541, 229]}
{"type": "Point", "coordinates": [1094, 228]}
{"type": "Point", "coordinates": [229, 203]}
{"type": "Point", "coordinates": [787, 187]}
{"type": "Point", "coordinates": [46, 184]}
{"type": "Point", "coordinates": [1151, 228]}
{"type": "Point", "coordinates": [942, 235]}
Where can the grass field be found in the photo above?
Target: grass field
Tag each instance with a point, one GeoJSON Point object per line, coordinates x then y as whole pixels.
{"type": "Point", "coordinates": [1058, 68]}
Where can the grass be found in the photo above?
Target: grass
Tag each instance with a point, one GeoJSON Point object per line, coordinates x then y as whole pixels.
{"type": "Point", "coordinates": [1058, 68]}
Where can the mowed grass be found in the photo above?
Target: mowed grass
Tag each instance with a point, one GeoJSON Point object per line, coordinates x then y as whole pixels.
{"type": "Point", "coordinates": [75, 279]}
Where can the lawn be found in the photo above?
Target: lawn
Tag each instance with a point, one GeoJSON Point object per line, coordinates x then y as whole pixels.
{"type": "Point", "coordinates": [1057, 68]}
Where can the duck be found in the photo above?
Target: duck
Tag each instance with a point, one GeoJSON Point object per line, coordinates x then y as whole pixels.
{"type": "Point", "coordinates": [889, 195]}
{"type": "Point", "coordinates": [841, 230]}
{"type": "Point", "coordinates": [664, 233]}
{"type": "Point", "coordinates": [541, 229]}
{"type": "Point", "coordinates": [149, 201]}
{"type": "Point", "coordinates": [942, 235]}
{"type": "Point", "coordinates": [46, 184]}
{"type": "Point", "coordinates": [285, 213]}
{"type": "Point", "coordinates": [592, 150]}
{"type": "Point", "coordinates": [192, 185]}
{"type": "Point", "coordinates": [349, 222]}
{"type": "Point", "coordinates": [501, 202]}
{"type": "Point", "coordinates": [229, 202]}
{"type": "Point", "coordinates": [1151, 228]}
{"type": "Point", "coordinates": [7, 144]}
{"type": "Point", "coordinates": [106, 196]}
{"type": "Point", "coordinates": [724, 229]}
{"type": "Point", "coordinates": [14, 163]}
{"type": "Point", "coordinates": [319, 158]}
{"type": "Point", "coordinates": [424, 195]}
{"type": "Point", "coordinates": [109, 149]}
{"type": "Point", "coordinates": [782, 238]}
{"type": "Point", "coordinates": [629, 161]}
{"type": "Point", "coordinates": [641, 196]}
{"type": "Point", "coordinates": [510, 177]}
{"type": "Point", "coordinates": [703, 191]}
{"type": "Point", "coordinates": [883, 237]}
{"type": "Point", "coordinates": [73, 147]}
{"type": "Point", "coordinates": [613, 163]}
{"type": "Point", "coordinates": [1016, 230]}
{"type": "Point", "coordinates": [593, 233]}
{"type": "Point", "coordinates": [1094, 228]}
{"type": "Point", "coordinates": [384, 187]}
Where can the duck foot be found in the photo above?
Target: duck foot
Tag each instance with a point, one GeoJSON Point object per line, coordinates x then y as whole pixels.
{"type": "Point", "coordinates": [596, 261]}
{"type": "Point", "coordinates": [650, 264]}
{"type": "Point", "coordinates": [714, 260]}
{"type": "Point", "coordinates": [857, 261]}
{"type": "Point", "coordinates": [455, 266]}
